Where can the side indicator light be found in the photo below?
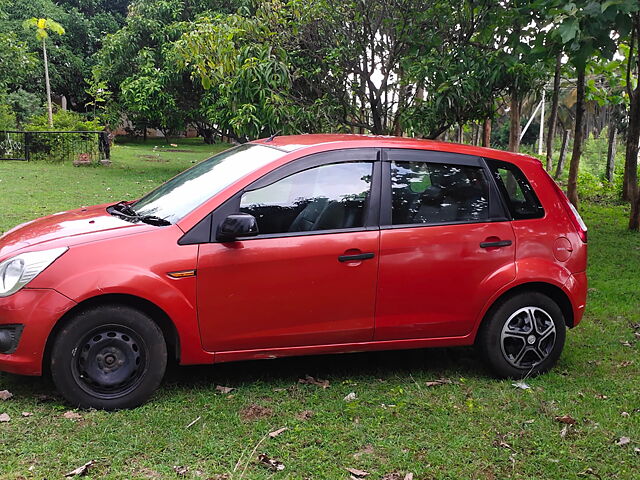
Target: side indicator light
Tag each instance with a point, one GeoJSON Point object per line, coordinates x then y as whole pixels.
{"type": "Point", "coordinates": [182, 274]}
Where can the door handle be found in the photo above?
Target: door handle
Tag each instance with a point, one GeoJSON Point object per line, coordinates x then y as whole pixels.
{"type": "Point", "coordinates": [499, 243]}
{"type": "Point", "coordinates": [356, 258]}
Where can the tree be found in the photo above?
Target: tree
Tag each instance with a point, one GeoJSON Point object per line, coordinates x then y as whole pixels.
{"type": "Point", "coordinates": [42, 26]}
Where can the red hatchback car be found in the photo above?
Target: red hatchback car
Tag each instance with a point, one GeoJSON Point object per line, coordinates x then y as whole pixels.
{"type": "Point", "coordinates": [293, 246]}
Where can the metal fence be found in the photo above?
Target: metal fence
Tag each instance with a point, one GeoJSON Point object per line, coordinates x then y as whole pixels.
{"type": "Point", "coordinates": [70, 146]}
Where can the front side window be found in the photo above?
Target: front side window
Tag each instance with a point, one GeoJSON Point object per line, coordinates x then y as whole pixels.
{"type": "Point", "coordinates": [518, 193]}
{"type": "Point", "coordinates": [327, 197]}
{"type": "Point", "coordinates": [427, 193]}
{"type": "Point", "coordinates": [180, 195]}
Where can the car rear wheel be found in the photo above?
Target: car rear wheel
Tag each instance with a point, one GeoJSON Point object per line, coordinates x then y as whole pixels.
{"type": "Point", "coordinates": [523, 335]}
{"type": "Point", "coordinates": [109, 357]}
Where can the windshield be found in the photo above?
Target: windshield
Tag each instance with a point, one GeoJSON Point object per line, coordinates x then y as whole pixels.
{"type": "Point", "coordinates": [190, 189]}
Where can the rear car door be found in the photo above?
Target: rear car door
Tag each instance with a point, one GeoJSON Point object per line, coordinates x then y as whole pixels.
{"type": "Point", "coordinates": [446, 244]}
{"type": "Point", "coordinates": [309, 277]}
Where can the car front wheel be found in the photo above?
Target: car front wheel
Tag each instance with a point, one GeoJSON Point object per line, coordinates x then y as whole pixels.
{"type": "Point", "coordinates": [523, 335]}
{"type": "Point", "coordinates": [108, 357]}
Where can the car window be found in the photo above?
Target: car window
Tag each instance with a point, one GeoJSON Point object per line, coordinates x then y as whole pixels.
{"type": "Point", "coordinates": [426, 193]}
{"type": "Point", "coordinates": [188, 190]}
{"type": "Point", "coordinates": [517, 191]}
{"type": "Point", "coordinates": [322, 198]}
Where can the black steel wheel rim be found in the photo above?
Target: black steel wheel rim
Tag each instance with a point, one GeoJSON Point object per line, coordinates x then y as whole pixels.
{"type": "Point", "coordinates": [110, 361]}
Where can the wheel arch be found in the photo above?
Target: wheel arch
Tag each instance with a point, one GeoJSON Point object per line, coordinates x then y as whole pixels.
{"type": "Point", "coordinates": [550, 290]}
{"type": "Point", "coordinates": [157, 314]}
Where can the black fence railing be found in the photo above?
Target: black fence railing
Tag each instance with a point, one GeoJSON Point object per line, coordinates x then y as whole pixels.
{"type": "Point", "coordinates": [72, 146]}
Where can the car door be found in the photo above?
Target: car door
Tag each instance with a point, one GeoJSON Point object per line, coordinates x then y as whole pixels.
{"type": "Point", "coordinates": [309, 276]}
{"type": "Point", "coordinates": [446, 244]}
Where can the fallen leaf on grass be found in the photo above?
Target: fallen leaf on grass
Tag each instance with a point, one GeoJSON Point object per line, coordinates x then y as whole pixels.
{"type": "Point", "coordinates": [26, 414]}
{"type": "Point", "coordinates": [600, 396]}
{"type": "Point", "coordinates": [71, 415]}
{"type": "Point", "coordinates": [567, 419]}
{"type": "Point", "coordinates": [589, 471]}
{"type": "Point", "coordinates": [626, 363]}
{"type": "Point", "coordinates": [437, 383]}
{"type": "Point", "coordinates": [223, 389]}
{"type": "Point", "coordinates": [180, 470]}
{"type": "Point", "coordinates": [623, 441]}
{"type": "Point", "coordinates": [271, 463]}
{"type": "Point", "coordinates": [501, 442]}
{"type": "Point", "coordinates": [626, 343]}
{"type": "Point", "coordinates": [305, 415]}
{"type": "Point", "coordinates": [81, 470]}
{"type": "Point", "coordinates": [275, 433]}
{"type": "Point", "coordinates": [397, 476]}
{"type": "Point", "coordinates": [521, 385]}
{"type": "Point", "coordinates": [309, 380]}
{"type": "Point", "coordinates": [357, 473]}
{"type": "Point", "coordinates": [5, 394]}
{"type": "Point", "coordinates": [4, 417]}
{"type": "Point", "coordinates": [637, 450]}
{"type": "Point", "coordinates": [350, 397]}
{"type": "Point", "coordinates": [564, 431]}
{"type": "Point", "coordinates": [625, 414]}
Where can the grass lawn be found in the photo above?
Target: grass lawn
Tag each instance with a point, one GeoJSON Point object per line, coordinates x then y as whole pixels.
{"type": "Point", "coordinates": [471, 427]}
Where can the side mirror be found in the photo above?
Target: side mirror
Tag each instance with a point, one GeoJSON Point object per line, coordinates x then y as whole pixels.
{"type": "Point", "coordinates": [235, 226]}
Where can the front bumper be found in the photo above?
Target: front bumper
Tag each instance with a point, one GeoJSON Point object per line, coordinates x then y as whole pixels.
{"type": "Point", "coordinates": [576, 286]}
{"type": "Point", "coordinates": [37, 310]}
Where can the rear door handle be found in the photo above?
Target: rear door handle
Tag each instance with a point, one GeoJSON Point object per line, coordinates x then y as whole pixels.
{"type": "Point", "coordinates": [355, 258]}
{"type": "Point", "coordinates": [499, 243]}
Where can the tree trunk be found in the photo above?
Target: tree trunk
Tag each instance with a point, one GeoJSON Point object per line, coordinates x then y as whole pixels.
{"type": "Point", "coordinates": [553, 117]}
{"type": "Point", "coordinates": [563, 154]}
{"type": "Point", "coordinates": [460, 132]}
{"type": "Point", "coordinates": [514, 124]}
{"type": "Point", "coordinates": [634, 219]}
{"type": "Point", "coordinates": [611, 152]}
{"type": "Point", "coordinates": [47, 83]}
{"type": "Point", "coordinates": [572, 184]}
{"type": "Point", "coordinates": [486, 133]}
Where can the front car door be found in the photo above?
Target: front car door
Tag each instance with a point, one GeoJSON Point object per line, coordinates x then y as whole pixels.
{"type": "Point", "coordinates": [309, 277]}
{"type": "Point", "coordinates": [446, 245]}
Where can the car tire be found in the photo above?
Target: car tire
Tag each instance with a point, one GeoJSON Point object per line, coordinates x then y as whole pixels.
{"type": "Point", "coordinates": [522, 336]}
{"type": "Point", "coordinates": [109, 357]}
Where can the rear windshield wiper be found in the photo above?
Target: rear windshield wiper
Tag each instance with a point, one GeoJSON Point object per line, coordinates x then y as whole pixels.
{"type": "Point", "coordinates": [124, 210]}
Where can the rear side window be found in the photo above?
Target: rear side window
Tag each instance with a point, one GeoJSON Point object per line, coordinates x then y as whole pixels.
{"type": "Point", "coordinates": [516, 190]}
{"type": "Point", "coordinates": [428, 193]}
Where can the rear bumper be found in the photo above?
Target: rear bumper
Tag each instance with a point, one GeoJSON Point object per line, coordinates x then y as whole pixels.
{"type": "Point", "coordinates": [37, 310]}
{"type": "Point", "coordinates": [576, 287]}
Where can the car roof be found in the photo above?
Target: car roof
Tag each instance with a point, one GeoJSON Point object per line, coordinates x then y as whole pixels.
{"type": "Point", "coordinates": [333, 141]}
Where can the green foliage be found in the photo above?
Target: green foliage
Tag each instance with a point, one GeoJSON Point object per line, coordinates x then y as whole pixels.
{"type": "Point", "coordinates": [7, 118]}
{"type": "Point", "coordinates": [56, 147]}
{"type": "Point", "coordinates": [24, 104]}
{"type": "Point", "coordinates": [16, 61]}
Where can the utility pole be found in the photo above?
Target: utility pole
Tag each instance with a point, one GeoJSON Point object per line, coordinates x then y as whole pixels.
{"type": "Point", "coordinates": [541, 140]}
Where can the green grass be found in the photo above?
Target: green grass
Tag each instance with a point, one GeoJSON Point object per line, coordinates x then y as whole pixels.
{"type": "Point", "coordinates": [397, 424]}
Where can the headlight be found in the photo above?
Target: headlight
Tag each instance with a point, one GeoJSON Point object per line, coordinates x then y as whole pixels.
{"type": "Point", "coordinates": [16, 272]}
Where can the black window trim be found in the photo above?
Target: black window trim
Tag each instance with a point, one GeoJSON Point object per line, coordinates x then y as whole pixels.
{"type": "Point", "coordinates": [497, 210]}
{"type": "Point", "coordinates": [504, 196]}
{"type": "Point", "coordinates": [205, 230]}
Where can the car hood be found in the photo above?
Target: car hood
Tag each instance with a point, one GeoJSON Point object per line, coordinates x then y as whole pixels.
{"type": "Point", "coordinates": [68, 228]}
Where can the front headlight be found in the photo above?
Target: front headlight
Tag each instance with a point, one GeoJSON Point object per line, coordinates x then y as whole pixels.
{"type": "Point", "coordinates": [16, 272]}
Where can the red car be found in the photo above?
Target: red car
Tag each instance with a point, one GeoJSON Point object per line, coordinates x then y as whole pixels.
{"type": "Point", "coordinates": [297, 245]}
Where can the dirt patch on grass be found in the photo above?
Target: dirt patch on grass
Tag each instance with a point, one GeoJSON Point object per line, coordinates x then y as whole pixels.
{"type": "Point", "coordinates": [152, 158]}
{"type": "Point", "coordinates": [255, 412]}
{"type": "Point", "coordinates": [178, 150]}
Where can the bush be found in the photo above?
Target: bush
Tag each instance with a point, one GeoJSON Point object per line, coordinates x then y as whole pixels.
{"type": "Point", "coordinates": [25, 105]}
{"type": "Point", "coordinates": [58, 147]}
{"type": "Point", "coordinates": [7, 118]}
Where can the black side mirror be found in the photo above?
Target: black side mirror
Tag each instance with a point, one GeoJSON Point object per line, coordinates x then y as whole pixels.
{"type": "Point", "coordinates": [235, 226]}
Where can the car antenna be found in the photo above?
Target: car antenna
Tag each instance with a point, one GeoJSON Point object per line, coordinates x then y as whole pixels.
{"type": "Point", "coordinates": [272, 137]}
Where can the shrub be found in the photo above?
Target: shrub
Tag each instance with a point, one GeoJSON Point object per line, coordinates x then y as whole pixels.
{"type": "Point", "coordinates": [58, 147]}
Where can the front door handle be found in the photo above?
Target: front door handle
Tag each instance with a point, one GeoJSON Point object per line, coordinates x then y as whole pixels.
{"type": "Point", "coordinates": [356, 258]}
{"type": "Point", "coordinates": [499, 243]}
